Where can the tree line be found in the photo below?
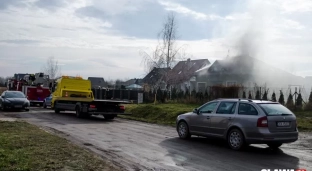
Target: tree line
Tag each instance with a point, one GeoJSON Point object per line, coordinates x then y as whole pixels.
{"type": "Point", "coordinates": [220, 91]}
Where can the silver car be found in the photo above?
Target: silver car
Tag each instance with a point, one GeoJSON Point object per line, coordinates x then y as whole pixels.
{"type": "Point", "coordinates": [241, 122]}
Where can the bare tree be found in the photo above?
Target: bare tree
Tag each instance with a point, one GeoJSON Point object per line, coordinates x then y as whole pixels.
{"type": "Point", "coordinates": [52, 68]}
{"type": "Point", "coordinates": [166, 52]}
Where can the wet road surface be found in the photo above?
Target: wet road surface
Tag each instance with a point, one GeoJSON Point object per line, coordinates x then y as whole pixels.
{"type": "Point", "coordinates": [134, 145]}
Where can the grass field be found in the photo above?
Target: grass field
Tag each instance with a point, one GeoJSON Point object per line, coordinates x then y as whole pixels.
{"type": "Point", "coordinates": [24, 147]}
{"type": "Point", "coordinates": [166, 114]}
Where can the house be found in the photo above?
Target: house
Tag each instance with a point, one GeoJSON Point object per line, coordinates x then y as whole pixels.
{"type": "Point", "coordinates": [246, 71]}
{"type": "Point", "coordinates": [97, 82]}
{"type": "Point", "coordinates": [308, 83]}
{"type": "Point", "coordinates": [155, 78]}
{"type": "Point", "coordinates": [183, 73]}
{"type": "Point", "coordinates": [137, 81]}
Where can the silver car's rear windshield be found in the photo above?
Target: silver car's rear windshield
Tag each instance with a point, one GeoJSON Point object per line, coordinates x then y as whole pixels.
{"type": "Point", "coordinates": [274, 109]}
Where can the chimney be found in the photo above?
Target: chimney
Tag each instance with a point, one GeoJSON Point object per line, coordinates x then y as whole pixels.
{"type": "Point", "coordinates": [188, 63]}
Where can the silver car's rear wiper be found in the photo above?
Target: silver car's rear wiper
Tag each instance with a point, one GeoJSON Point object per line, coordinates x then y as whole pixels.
{"type": "Point", "coordinates": [285, 114]}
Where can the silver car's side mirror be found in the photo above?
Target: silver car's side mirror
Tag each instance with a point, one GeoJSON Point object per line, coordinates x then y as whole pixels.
{"type": "Point", "coordinates": [196, 111]}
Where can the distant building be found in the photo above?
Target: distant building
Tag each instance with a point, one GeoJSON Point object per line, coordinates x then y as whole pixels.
{"type": "Point", "coordinates": [137, 81]}
{"type": "Point", "coordinates": [155, 78]}
{"type": "Point", "coordinates": [183, 73]}
{"type": "Point", "coordinates": [97, 82]}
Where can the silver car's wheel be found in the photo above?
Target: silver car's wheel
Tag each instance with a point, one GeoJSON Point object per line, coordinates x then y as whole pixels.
{"type": "Point", "coordinates": [183, 130]}
{"type": "Point", "coordinates": [235, 139]}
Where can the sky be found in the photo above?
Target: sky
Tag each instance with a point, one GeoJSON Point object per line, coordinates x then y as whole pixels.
{"type": "Point", "coordinates": [106, 38]}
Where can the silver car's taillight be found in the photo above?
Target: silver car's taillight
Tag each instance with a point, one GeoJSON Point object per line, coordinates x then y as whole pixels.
{"type": "Point", "coordinates": [262, 122]}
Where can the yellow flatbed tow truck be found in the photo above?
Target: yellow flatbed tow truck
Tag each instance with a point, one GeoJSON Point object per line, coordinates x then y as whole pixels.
{"type": "Point", "coordinates": [75, 94]}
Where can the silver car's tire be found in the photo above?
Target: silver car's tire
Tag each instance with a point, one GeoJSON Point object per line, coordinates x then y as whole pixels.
{"type": "Point", "coordinates": [183, 130]}
{"type": "Point", "coordinates": [236, 139]}
{"type": "Point", "coordinates": [275, 145]}
{"type": "Point", "coordinates": [44, 105]}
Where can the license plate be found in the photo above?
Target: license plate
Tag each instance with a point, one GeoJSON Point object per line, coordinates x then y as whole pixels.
{"type": "Point", "coordinates": [283, 124]}
{"type": "Point", "coordinates": [18, 106]}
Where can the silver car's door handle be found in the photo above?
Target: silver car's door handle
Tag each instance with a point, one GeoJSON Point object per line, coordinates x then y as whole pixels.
{"type": "Point", "coordinates": [208, 117]}
{"type": "Point", "coordinates": [229, 118]}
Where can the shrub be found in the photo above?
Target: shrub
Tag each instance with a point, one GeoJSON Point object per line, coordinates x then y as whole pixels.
{"type": "Point", "coordinates": [244, 95]}
{"type": "Point", "coordinates": [273, 97]}
{"type": "Point", "coordinates": [290, 101]}
{"type": "Point", "coordinates": [258, 95]}
{"type": "Point", "coordinates": [281, 99]}
{"type": "Point", "coordinates": [265, 96]}
{"type": "Point", "coordinates": [249, 96]}
{"type": "Point", "coordinates": [308, 106]}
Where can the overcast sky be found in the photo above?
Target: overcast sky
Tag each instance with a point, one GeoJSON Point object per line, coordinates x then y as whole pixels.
{"type": "Point", "coordinates": [104, 37]}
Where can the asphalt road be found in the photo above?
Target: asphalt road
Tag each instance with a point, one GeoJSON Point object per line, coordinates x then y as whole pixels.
{"type": "Point", "coordinates": [135, 145]}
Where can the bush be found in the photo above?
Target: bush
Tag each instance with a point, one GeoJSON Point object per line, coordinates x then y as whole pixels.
{"type": "Point", "coordinates": [258, 95]}
{"type": "Point", "coordinates": [308, 106]}
{"type": "Point", "coordinates": [249, 96]}
{"type": "Point", "coordinates": [273, 97]}
{"type": "Point", "coordinates": [281, 99]}
{"type": "Point", "coordinates": [244, 95]}
{"type": "Point", "coordinates": [265, 96]}
{"type": "Point", "coordinates": [299, 101]}
{"type": "Point", "coordinates": [290, 102]}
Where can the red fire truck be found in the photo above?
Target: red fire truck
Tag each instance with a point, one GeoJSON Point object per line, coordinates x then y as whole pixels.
{"type": "Point", "coordinates": [36, 92]}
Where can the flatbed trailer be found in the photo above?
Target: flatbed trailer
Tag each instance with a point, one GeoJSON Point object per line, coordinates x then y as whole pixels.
{"type": "Point", "coordinates": [74, 94]}
{"type": "Point", "coordinates": [108, 108]}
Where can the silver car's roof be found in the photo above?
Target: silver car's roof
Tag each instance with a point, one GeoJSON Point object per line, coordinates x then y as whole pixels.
{"type": "Point", "coordinates": [247, 100]}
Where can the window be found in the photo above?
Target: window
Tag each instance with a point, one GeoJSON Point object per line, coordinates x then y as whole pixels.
{"type": "Point", "coordinates": [226, 108]}
{"type": "Point", "coordinates": [14, 94]}
{"type": "Point", "coordinates": [208, 108]}
{"type": "Point", "coordinates": [274, 109]}
{"type": "Point", "coordinates": [247, 109]}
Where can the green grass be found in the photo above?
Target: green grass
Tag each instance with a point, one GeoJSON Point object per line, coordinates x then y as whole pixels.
{"type": "Point", "coordinates": [160, 113]}
{"type": "Point", "coordinates": [25, 147]}
{"type": "Point", "coordinates": [166, 114]}
{"type": "Point", "coordinates": [304, 120]}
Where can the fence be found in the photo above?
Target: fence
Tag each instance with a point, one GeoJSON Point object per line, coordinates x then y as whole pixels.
{"type": "Point", "coordinates": [116, 94]}
{"type": "Point", "coordinates": [214, 92]}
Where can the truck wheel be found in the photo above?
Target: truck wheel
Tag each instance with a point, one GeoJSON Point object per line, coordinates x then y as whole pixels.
{"type": "Point", "coordinates": [78, 112]}
{"type": "Point", "coordinates": [56, 110]}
